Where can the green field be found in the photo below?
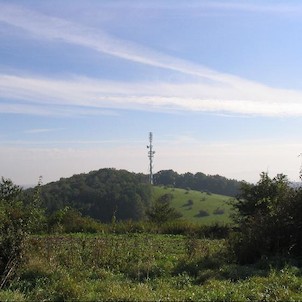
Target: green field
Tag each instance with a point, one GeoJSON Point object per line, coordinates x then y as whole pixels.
{"type": "Point", "coordinates": [143, 267]}
{"type": "Point", "coordinates": [189, 203]}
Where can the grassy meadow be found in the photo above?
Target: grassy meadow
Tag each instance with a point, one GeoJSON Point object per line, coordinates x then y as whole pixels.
{"type": "Point", "coordinates": [214, 207]}
{"type": "Point", "coordinates": [144, 267]}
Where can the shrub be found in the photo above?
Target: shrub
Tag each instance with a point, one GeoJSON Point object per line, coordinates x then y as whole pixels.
{"type": "Point", "coordinates": [202, 213]}
{"type": "Point", "coordinates": [218, 211]}
{"type": "Point", "coordinates": [161, 211]}
{"type": "Point", "coordinates": [130, 226]}
{"type": "Point", "coordinates": [268, 218]}
{"type": "Point", "coordinates": [214, 231]}
{"type": "Point", "coordinates": [189, 203]}
{"type": "Point", "coordinates": [12, 242]}
{"type": "Point", "coordinates": [178, 227]}
{"type": "Point", "coordinates": [17, 221]}
{"type": "Point", "coordinates": [69, 220]}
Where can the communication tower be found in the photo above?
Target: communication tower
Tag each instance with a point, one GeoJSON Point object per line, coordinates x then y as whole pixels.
{"type": "Point", "coordinates": [150, 155]}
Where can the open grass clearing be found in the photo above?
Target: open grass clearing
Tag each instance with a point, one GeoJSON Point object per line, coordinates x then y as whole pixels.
{"type": "Point", "coordinates": [199, 207]}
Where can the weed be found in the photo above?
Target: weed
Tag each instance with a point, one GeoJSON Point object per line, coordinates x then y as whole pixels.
{"type": "Point", "coordinates": [145, 267]}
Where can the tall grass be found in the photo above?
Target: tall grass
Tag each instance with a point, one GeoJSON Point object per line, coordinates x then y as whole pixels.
{"type": "Point", "coordinates": [144, 267]}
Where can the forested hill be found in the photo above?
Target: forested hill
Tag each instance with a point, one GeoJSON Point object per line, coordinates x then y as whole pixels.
{"type": "Point", "coordinates": [209, 183]}
{"type": "Point", "coordinates": [101, 194]}
{"type": "Point", "coordinates": [109, 193]}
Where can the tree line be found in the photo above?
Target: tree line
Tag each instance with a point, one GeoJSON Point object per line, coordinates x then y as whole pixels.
{"type": "Point", "coordinates": [104, 194]}
{"type": "Point", "coordinates": [201, 182]}
{"type": "Point", "coordinates": [109, 193]}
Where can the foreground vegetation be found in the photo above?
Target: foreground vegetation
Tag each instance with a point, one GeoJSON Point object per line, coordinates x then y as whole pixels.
{"type": "Point", "coordinates": [144, 267]}
{"type": "Point", "coordinates": [160, 257]}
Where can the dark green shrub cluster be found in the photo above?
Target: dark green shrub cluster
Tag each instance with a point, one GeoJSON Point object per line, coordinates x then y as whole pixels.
{"type": "Point", "coordinates": [69, 220]}
{"type": "Point", "coordinates": [215, 231]}
{"type": "Point", "coordinates": [161, 211]}
{"type": "Point", "coordinates": [17, 220]}
{"type": "Point", "coordinates": [202, 213]}
{"type": "Point", "coordinates": [218, 211]}
{"type": "Point", "coordinates": [269, 220]}
{"type": "Point", "coordinates": [189, 203]}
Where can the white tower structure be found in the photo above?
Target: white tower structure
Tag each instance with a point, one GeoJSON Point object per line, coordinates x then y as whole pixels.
{"type": "Point", "coordinates": [150, 155]}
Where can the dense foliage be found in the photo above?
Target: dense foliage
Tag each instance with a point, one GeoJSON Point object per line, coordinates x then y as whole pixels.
{"type": "Point", "coordinates": [105, 194]}
{"type": "Point", "coordinates": [17, 220]}
{"type": "Point", "coordinates": [199, 181]}
{"type": "Point", "coordinates": [161, 210]}
{"type": "Point", "coordinates": [269, 219]}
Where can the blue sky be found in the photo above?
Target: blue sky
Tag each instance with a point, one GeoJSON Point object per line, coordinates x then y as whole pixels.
{"type": "Point", "coordinates": [83, 82]}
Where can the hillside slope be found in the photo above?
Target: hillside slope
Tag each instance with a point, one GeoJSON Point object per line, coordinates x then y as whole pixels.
{"type": "Point", "coordinates": [108, 193]}
{"type": "Point", "coordinates": [196, 206]}
{"type": "Point", "coordinates": [199, 181]}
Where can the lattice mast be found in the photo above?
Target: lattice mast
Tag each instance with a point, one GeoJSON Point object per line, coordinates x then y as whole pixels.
{"type": "Point", "coordinates": [150, 155]}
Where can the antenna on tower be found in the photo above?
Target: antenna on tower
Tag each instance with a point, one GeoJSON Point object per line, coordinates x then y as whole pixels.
{"type": "Point", "coordinates": [150, 155]}
{"type": "Point", "coordinates": [300, 172]}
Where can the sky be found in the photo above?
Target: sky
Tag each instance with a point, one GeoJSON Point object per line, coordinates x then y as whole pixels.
{"type": "Point", "coordinates": [83, 82]}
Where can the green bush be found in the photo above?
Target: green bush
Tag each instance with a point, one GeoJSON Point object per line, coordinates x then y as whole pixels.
{"type": "Point", "coordinates": [269, 220]}
{"type": "Point", "coordinates": [161, 211]}
{"type": "Point", "coordinates": [214, 231]}
{"type": "Point", "coordinates": [69, 220]}
{"type": "Point", "coordinates": [178, 227]}
{"type": "Point", "coordinates": [18, 219]}
{"type": "Point", "coordinates": [218, 211]}
{"type": "Point", "coordinates": [202, 213]}
{"type": "Point", "coordinates": [13, 230]}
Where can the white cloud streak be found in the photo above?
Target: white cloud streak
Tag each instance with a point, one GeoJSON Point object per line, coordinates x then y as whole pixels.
{"type": "Point", "coordinates": [90, 95]}
{"type": "Point", "coordinates": [40, 130]}
{"type": "Point", "coordinates": [212, 91]}
{"type": "Point", "coordinates": [249, 6]}
{"type": "Point", "coordinates": [52, 28]}
{"type": "Point", "coordinates": [40, 109]}
{"type": "Point", "coordinates": [253, 7]}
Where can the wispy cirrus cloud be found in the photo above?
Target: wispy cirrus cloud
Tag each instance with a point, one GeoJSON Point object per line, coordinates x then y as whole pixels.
{"type": "Point", "coordinates": [40, 130]}
{"type": "Point", "coordinates": [37, 95]}
{"type": "Point", "coordinates": [210, 91]}
{"type": "Point", "coordinates": [280, 7]}
{"type": "Point", "coordinates": [43, 109]}
{"type": "Point", "coordinates": [253, 7]}
{"type": "Point", "coordinates": [45, 27]}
